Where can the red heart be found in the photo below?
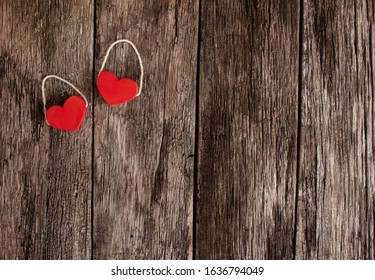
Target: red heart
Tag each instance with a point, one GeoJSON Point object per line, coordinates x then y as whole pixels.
{"type": "Point", "coordinates": [68, 117]}
{"type": "Point", "coordinates": [115, 91]}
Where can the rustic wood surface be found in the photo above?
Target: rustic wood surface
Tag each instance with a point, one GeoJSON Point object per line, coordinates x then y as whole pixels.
{"type": "Point", "coordinates": [144, 150]}
{"type": "Point", "coordinates": [45, 202]}
{"type": "Point", "coordinates": [336, 174]}
{"type": "Point", "coordinates": [253, 137]}
{"type": "Point", "coordinates": [247, 145]}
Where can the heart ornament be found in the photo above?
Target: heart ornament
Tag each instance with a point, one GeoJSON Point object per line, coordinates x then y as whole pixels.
{"type": "Point", "coordinates": [70, 116]}
{"type": "Point", "coordinates": [117, 91]}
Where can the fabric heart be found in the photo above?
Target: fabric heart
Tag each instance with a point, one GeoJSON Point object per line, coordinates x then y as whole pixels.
{"type": "Point", "coordinates": [115, 91]}
{"type": "Point", "coordinates": [70, 116]}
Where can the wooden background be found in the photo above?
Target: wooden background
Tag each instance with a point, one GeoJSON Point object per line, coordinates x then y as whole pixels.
{"type": "Point", "coordinates": [253, 138]}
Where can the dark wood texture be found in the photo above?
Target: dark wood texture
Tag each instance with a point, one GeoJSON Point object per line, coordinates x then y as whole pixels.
{"type": "Point", "coordinates": [45, 187]}
{"type": "Point", "coordinates": [248, 104]}
{"type": "Point", "coordinates": [336, 178]}
{"type": "Point", "coordinates": [144, 150]}
{"type": "Point", "coordinates": [253, 137]}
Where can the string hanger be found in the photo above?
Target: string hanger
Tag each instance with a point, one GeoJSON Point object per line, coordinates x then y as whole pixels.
{"type": "Point", "coordinates": [138, 55]}
{"type": "Point", "coordinates": [64, 81]}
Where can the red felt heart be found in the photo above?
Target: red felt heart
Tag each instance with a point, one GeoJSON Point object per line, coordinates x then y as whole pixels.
{"type": "Point", "coordinates": [68, 117]}
{"type": "Point", "coordinates": [115, 91]}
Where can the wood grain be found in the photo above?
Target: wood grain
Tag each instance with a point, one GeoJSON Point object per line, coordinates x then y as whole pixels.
{"type": "Point", "coordinates": [144, 150]}
{"type": "Point", "coordinates": [248, 104]}
{"type": "Point", "coordinates": [280, 95]}
{"type": "Point", "coordinates": [45, 186]}
{"type": "Point", "coordinates": [336, 178]}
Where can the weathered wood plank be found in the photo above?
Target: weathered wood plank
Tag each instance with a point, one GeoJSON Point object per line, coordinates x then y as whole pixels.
{"type": "Point", "coordinates": [336, 179]}
{"type": "Point", "coordinates": [248, 107]}
{"type": "Point", "coordinates": [144, 150]}
{"type": "Point", "coordinates": [45, 186]}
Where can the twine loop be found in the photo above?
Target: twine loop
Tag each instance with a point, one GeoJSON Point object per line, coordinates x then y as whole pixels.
{"type": "Point", "coordinates": [138, 55]}
{"type": "Point", "coordinates": [64, 81]}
